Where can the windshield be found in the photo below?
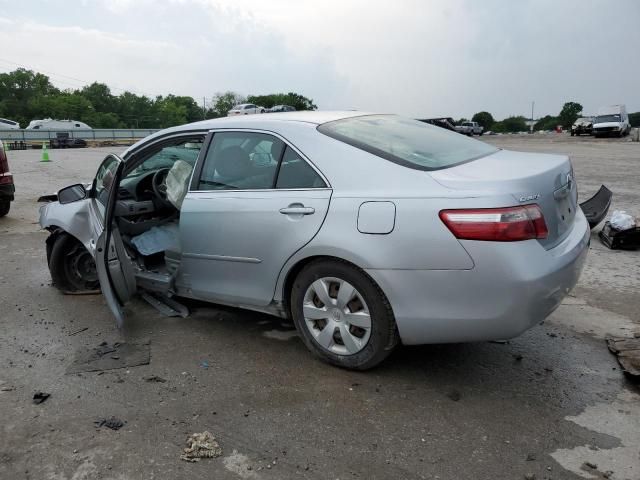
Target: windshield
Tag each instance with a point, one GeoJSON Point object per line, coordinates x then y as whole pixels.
{"type": "Point", "coordinates": [608, 118]}
{"type": "Point", "coordinates": [407, 142]}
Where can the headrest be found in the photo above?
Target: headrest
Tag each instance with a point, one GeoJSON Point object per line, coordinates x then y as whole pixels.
{"type": "Point", "coordinates": [233, 162]}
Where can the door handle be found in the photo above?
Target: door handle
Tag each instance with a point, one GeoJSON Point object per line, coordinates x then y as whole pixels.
{"type": "Point", "coordinates": [298, 210]}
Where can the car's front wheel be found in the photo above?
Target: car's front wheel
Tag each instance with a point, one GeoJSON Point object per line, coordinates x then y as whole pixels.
{"type": "Point", "coordinates": [5, 206]}
{"type": "Point", "coordinates": [342, 315]}
{"type": "Point", "coordinates": [72, 267]}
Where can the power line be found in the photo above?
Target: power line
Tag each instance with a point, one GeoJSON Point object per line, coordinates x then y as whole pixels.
{"type": "Point", "coordinates": [82, 82]}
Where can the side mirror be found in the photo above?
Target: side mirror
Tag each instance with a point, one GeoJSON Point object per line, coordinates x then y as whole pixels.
{"type": "Point", "coordinates": [72, 193]}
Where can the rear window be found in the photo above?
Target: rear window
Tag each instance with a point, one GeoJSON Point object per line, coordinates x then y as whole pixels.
{"type": "Point", "coordinates": [407, 142]}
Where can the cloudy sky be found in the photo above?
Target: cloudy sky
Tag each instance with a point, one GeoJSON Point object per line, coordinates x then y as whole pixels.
{"type": "Point", "coordinates": [414, 57]}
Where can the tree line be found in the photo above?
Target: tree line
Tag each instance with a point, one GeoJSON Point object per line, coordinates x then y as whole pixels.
{"type": "Point", "coordinates": [569, 113]}
{"type": "Point", "coordinates": [26, 95]}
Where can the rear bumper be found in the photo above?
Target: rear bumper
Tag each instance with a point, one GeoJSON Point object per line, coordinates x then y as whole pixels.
{"type": "Point", "coordinates": [512, 287]}
{"type": "Point", "coordinates": [7, 192]}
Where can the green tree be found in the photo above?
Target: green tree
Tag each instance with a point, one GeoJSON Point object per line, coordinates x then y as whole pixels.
{"type": "Point", "coordinates": [634, 119]}
{"type": "Point", "coordinates": [569, 113]}
{"type": "Point", "coordinates": [100, 97]}
{"type": "Point", "coordinates": [548, 122]}
{"type": "Point", "coordinates": [484, 118]}
{"type": "Point", "coordinates": [295, 100]}
{"type": "Point", "coordinates": [511, 124]}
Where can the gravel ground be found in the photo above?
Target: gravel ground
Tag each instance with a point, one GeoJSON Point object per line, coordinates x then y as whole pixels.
{"type": "Point", "coordinates": [551, 403]}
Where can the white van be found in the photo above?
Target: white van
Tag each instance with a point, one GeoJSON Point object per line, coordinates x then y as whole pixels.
{"type": "Point", "coordinates": [6, 124]}
{"type": "Point", "coordinates": [612, 120]}
{"type": "Point", "coordinates": [49, 124]}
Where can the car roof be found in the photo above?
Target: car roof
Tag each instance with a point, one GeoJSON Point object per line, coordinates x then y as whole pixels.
{"type": "Point", "coordinates": [309, 116]}
{"type": "Point", "coordinates": [258, 121]}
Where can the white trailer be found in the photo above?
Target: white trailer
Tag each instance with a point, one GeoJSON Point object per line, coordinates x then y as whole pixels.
{"type": "Point", "coordinates": [50, 124]}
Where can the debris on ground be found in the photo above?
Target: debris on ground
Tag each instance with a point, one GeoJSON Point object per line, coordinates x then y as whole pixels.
{"type": "Point", "coordinates": [165, 305]}
{"type": "Point", "coordinates": [82, 292]}
{"type": "Point", "coordinates": [627, 351]}
{"type": "Point", "coordinates": [154, 379]}
{"type": "Point", "coordinates": [454, 395]}
{"type": "Point", "coordinates": [113, 423]}
{"type": "Point", "coordinates": [623, 234]}
{"type": "Point", "coordinates": [201, 445]}
{"type": "Point", "coordinates": [40, 397]}
{"type": "Point", "coordinates": [107, 356]}
{"type": "Point", "coordinates": [77, 331]}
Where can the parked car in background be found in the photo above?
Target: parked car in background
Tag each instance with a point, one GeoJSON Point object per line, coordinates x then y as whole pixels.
{"type": "Point", "coordinates": [6, 124]}
{"type": "Point", "coordinates": [583, 125]}
{"type": "Point", "coordinates": [245, 109]}
{"type": "Point", "coordinates": [612, 120]}
{"type": "Point", "coordinates": [282, 108]}
{"type": "Point", "coordinates": [50, 124]}
{"type": "Point", "coordinates": [63, 140]}
{"type": "Point", "coordinates": [7, 189]}
{"type": "Point", "coordinates": [470, 128]}
{"type": "Point", "coordinates": [417, 234]}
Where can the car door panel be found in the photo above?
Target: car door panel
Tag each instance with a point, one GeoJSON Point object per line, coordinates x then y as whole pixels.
{"type": "Point", "coordinates": [234, 243]}
{"type": "Point", "coordinates": [114, 268]}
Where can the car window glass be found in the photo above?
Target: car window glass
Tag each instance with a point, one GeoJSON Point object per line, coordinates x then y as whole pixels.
{"type": "Point", "coordinates": [104, 181]}
{"type": "Point", "coordinates": [241, 160]}
{"type": "Point", "coordinates": [406, 142]}
{"type": "Point", "coordinates": [295, 172]}
{"type": "Point", "coordinates": [186, 150]}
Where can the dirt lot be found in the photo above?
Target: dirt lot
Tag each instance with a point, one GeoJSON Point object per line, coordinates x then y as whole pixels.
{"type": "Point", "coordinates": [551, 403]}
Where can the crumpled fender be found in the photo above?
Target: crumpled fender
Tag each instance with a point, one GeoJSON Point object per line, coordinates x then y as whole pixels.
{"type": "Point", "coordinates": [74, 218]}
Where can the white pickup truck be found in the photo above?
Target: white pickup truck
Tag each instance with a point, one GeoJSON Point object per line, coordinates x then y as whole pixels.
{"type": "Point", "coordinates": [470, 128]}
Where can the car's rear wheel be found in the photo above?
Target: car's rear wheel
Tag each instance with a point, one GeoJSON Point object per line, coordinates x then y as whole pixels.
{"type": "Point", "coordinates": [5, 206]}
{"type": "Point", "coordinates": [342, 315]}
{"type": "Point", "coordinates": [72, 267]}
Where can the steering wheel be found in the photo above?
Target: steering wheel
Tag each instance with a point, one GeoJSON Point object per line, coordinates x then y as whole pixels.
{"type": "Point", "coordinates": [159, 185]}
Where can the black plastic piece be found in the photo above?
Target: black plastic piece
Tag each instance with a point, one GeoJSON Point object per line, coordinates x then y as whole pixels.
{"type": "Point", "coordinates": [620, 240]}
{"type": "Point", "coordinates": [596, 208]}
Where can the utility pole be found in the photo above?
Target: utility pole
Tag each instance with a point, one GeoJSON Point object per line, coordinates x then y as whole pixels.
{"type": "Point", "coordinates": [532, 104]}
{"type": "Point", "coordinates": [531, 127]}
{"type": "Point", "coordinates": [204, 109]}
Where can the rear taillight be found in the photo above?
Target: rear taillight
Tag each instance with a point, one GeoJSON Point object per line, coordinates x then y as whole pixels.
{"type": "Point", "coordinates": [6, 179]}
{"type": "Point", "coordinates": [509, 224]}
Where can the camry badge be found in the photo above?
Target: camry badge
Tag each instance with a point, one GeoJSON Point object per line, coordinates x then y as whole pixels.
{"type": "Point", "coordinates": [528, 198]}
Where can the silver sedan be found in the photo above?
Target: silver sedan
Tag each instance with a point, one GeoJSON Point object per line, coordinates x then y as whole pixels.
{"type": "Point", "coordinates": [367, 230]}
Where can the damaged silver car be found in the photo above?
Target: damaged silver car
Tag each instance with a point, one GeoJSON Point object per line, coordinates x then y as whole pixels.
{"type": "Point", "coordinates": [367, 230]}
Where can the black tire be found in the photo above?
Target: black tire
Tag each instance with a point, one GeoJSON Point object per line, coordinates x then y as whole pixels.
{"type": "Point", "coordinates": [5, 206]}
{"type": "Point", "coordinates": [71, 265]}
{"type": "Point", "coordinates": [384, 334]}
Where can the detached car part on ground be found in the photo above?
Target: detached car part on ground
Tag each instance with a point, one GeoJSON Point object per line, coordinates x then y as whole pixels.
{"type": "Point", "coordinates": [7, 188]}
{"type": "Point", "coordinates": [367, 230]}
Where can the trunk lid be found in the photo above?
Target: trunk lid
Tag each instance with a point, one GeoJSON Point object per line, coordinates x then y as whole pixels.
{"type": "Point", "coordinates": [546, 180]}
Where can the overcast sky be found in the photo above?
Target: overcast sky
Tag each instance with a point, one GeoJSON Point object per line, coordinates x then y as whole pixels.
{"type": "Point", "coordinates": [414, 57]}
